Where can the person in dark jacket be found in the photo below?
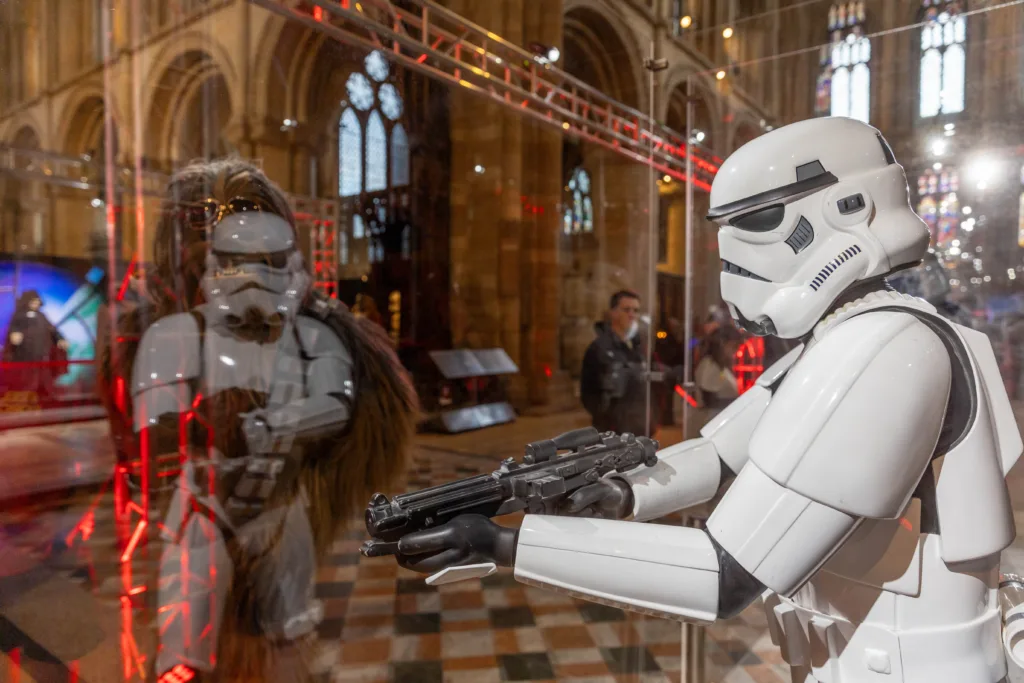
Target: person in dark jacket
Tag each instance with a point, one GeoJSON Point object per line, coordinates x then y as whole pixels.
{"type": "Point", "coordinates": [613, 380]}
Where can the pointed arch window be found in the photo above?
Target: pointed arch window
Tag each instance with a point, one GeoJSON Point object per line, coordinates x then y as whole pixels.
{"type": "Point", "coordinates": [943, 58]}
{"type": "Point", "coordinates": [844, 83]}
{"type": "Point", "coordinates": [350, 154]}
{"type": "Point", "coordinates": [939, 206]}
{"type": "Point", "coordinates": [376, 154]}
{"type": "Point", "coordinates": [399, 156]}
{"type": "Point", "coordinates": [373, 151]}
{"type": "Point", "coordinates": [578, 215]}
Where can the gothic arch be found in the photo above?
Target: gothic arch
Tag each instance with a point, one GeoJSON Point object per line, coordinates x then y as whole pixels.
{"type": "Point", "coordinates": [26, 138]}
{"type": "Point", "coordinates": [181, 67]}
{"type": "Point", "coordinates": [601, 52]}
{"type": "Point", "coordinates": [192, 90]}
{"type": "Point", "coordinates": [284, 69]}
{"type": "Point", "coordinates": [82, 125]}
{"type": "Point", "coordinates": [706, 112]}
{"type": "Point", "coordinates": [24, 128]}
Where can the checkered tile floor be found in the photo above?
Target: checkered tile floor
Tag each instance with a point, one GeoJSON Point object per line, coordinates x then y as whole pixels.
{"type": "Point", "coordinates": [383, 623]}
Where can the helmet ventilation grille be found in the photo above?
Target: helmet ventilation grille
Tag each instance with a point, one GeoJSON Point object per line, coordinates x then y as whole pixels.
{"type": "Point", "coordinates": [833, 265]}
{"type": "Point", "coordinates": [802, 236]}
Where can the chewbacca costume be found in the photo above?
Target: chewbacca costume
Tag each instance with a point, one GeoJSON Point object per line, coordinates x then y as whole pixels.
{"type": "Point", "coordinates": [338, 475]}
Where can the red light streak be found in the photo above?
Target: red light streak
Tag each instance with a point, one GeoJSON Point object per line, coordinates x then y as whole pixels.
{"type": "Point", "coordinates": [689, 399]}
{"type": "Point", "coordinates": [127, 554]}
{"type": "Point", "coordinates": [15, 664]}
{"type": "Point", "coordinates": [179, 674]}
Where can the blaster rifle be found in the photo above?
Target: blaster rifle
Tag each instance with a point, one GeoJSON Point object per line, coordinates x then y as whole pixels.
{"type": "Point", "coordinates": [538, 485]}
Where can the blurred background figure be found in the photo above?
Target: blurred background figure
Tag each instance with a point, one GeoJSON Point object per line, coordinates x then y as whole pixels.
{"type": "Point", "coordinates": [713, 376]}
{"type": "Point", "coordinates": [366, 307]}
{"type": "Point", "coordinates": [612, 385]}
{"type": "Point", "coordinates": [33, 340]}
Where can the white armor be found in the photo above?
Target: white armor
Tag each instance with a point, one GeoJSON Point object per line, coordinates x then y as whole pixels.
{"type": "Point", "coordinates": [870, 507]}
{"type": "Point", "coordinates": [302, 375]}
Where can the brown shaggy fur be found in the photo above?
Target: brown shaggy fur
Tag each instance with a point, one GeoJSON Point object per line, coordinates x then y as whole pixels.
{"type": "Point", "coordinates": [339, 474]}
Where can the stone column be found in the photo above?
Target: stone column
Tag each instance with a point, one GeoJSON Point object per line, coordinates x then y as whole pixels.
{"type": "Point", "coordinates": [543, 181]}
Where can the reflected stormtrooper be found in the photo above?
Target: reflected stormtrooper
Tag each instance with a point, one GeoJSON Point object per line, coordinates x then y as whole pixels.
{"type": "Point", "coordinates": [248, 338]}
{"type": "Point", "coordinates": [869, 506]}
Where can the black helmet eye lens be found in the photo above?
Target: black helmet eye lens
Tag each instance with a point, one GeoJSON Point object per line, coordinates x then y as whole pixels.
{"type": "Point", "coordinates": [762, 220]}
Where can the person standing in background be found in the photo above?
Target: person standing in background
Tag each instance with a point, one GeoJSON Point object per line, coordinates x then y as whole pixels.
{"type": "Point", "coordinates": [713, 376]}
{"type": "Point", "coordinates": [613, 378]}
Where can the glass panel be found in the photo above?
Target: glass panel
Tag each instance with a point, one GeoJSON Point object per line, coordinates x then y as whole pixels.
{"type": "Point", "coordinates": [390, 101]}
{"type": "Point", "coordinates": [360, 92]}
{"type": "Point", "coordinates": [399, 156]}
{"type": "Point", "coordinates": [350, 155]}
{"type": "Point", "coordinates": [376, 154]}
{"type": "Point", "coordinates": [841, 92]}
{"type": "Point", "coordinates": [169, 380]}
{"type": "Point", "coordinates": [960, 29]}
{"type": "Point", "coordinates": [931, 82]}
{"type": "Point", "coordinates": [377, 66]}
{"type": "Point", "coordinates": [860, 101]}
{"type": "Point", "coordinates": [953, 70]}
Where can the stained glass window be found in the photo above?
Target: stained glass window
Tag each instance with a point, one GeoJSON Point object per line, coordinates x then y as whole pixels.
{"type": "Point", "coordinates": [399, 156]}
{"type": "Point", "coordinates": [844, 83]}
{"type": "Point", "coordinates": [350, 155]}
{"type": "Point", "coordinates": [578, 215]}
{"type": "Point", "coordinates": [376, 154]}
{"type": "Point", "coordinates": [343, 248]}
{"type": "Point", "coordinates": [939, 206]}
{"type": "Point", "coordinates": [360, 92]}
{"type": "Point", "coordinates": [369, 146]}
{"type": "Point", "coordinates": [943, 58]}
{"type": "Point", "coordinates": [390, 101]}
{"type": "Point", "coordinates": [377, 66]}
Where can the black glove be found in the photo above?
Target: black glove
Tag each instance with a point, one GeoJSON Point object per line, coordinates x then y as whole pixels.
{"type": "Point", "coordinates": [606, 499]}
{"type": "Point", "coordinates": [467, 539]}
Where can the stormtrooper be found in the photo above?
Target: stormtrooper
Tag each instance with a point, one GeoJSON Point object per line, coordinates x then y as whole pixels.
{"type": "Point", "coordinates": [868, 506]}
{"type": "Point", "coordinates": [251, 338]}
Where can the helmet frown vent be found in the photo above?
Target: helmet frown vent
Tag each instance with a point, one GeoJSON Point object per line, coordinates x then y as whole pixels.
{"type": "Point", "coordinates": [801, 237]}
{"type": "Point", "coordinates": [833, 266]}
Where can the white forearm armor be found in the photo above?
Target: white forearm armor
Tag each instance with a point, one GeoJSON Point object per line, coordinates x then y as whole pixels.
{"type": "Point", "coordinates": [691, 472]}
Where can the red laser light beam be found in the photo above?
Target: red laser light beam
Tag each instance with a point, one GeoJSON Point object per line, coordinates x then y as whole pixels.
{"type": "Point", "coordinates": [689, 399]}
{"type": "Point", "coordinates": [126, 555]}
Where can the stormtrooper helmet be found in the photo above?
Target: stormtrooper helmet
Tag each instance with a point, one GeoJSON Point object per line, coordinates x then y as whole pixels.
{"type": "Point", "coordinates": [805, 212]}
{"type": "Point", "coordinates": [253, 268]}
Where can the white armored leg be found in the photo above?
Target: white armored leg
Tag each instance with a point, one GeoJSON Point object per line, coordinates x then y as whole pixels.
{"type": "Point", "coordinates": [195, 573]}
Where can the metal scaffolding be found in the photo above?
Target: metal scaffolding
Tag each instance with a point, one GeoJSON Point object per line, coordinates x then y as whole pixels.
{"type": "Point", "coordinates": [444, 45]}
